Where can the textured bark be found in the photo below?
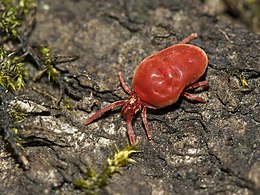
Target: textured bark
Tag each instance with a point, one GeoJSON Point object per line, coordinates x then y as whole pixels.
{"type": "Point", "coordinates": [195, 148]}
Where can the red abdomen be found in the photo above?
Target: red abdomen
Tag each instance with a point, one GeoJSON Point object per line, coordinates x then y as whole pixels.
{"type": "Point", "coordinates": [160, 79]}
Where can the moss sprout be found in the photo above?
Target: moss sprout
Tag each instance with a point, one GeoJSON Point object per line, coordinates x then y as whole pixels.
{"type": "Point", "coordinates": [244, 81]}
{"type": "Point", "coordinates": [47, 60]}
{"type": "Point", "coordinates": [67, 105]}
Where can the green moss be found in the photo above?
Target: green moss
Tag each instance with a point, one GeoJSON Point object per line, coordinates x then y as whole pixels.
{"type": "Point", "coordinates": [67, 105]}
{"type": "Point", "coordinates": [17, 114]}
{"type": "Point", "coordinates": [96, 180]}
{"type": "Point", "coordinates": [11, 117]}
{"type": "Point", "coordinates": [47, 60]}
{"type": "Point", "coordinates": [12, 70]}
{"type": "Point", "coordinates": [12, 13]}
{"type": "Point", "coordinates": [9, 21]}
{"type": "Point", "coordinates": [26, 5]}
{"type": "Point", "coordinates": [12, 67]}
{"type": "Point", "coordinates": [243, 81]}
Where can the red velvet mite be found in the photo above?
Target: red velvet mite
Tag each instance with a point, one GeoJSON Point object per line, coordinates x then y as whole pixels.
{"type": "Point", "coordinates": [159, 81]}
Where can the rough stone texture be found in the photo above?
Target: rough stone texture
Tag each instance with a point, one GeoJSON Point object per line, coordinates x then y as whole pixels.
{"type": "Point", "coordinates": [210, 148]}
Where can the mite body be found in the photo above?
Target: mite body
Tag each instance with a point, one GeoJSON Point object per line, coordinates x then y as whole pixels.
{"type": "Point", "coordinates": [160, 80]}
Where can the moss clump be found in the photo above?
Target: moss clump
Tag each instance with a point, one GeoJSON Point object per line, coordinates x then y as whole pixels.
{"type": "Point", "coordinates": [96, 180]}
{"type": "Point", "coordinates": [16, 17]}
{"type": "Point", "coordinates": [12, 12]}
{"type": "Point", "coordinates": [12, 70]}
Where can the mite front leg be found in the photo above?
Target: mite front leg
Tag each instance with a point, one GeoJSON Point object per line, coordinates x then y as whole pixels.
{"type": "Point", "coordinates": [123, 83]}
{"type": "Point", "coordinates": [103, 110]}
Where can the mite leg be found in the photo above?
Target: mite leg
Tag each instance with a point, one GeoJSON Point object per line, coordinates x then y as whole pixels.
{"type": "Point", "coordinates": [193, 98]}
{"type": "Point", "coordinates": [130, 130]}
{"type": "Point", "coordinates": [144, 117]}
{"type": "Point", "coordinates": [123, 83]}
{"type": "Point", "coordinates": [202, 84]}
{"type": "Point", "coordinates": [189, 38]}
{"type": "Point", "coordinates": [103, 110]}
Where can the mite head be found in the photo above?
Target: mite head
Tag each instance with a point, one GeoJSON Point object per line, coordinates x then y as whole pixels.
{"type": "Point", "coordinates": [130, 107]}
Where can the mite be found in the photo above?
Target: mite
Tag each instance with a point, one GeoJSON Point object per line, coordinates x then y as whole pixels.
{"type": "Point", "coordinates": [159, 81]}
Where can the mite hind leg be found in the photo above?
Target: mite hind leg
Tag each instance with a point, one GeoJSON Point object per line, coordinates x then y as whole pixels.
{"type": "Point", "coordinates": [193, 97]}
{"type": "Point", "coordinates": [199, 86]}
{"type": "Point", "coordinates": [145, 122]}
{"type": "Point", "coordinates": [189, 38]}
